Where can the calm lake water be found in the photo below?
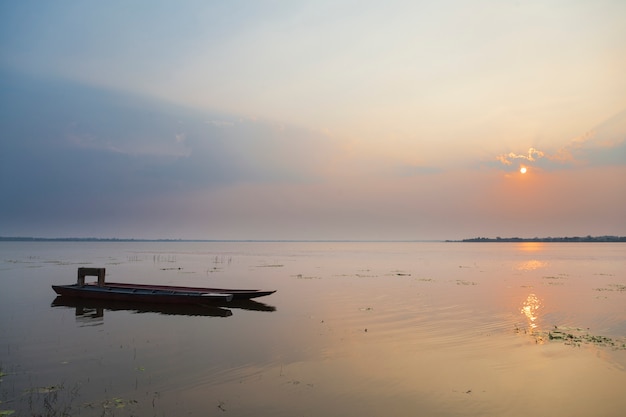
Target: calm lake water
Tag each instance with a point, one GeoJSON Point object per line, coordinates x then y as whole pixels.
{"type": "Point", "coordinates": [355, 329]}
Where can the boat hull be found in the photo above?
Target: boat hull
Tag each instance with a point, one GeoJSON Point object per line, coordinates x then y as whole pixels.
{"type": "Point", "coordinates": [156, 293]}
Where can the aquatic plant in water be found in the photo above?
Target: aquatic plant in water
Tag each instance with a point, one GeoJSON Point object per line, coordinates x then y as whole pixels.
{"type": "Point", "coordinates": [4, 412]}
{"type": "Point", "coordinates": [576, 337]}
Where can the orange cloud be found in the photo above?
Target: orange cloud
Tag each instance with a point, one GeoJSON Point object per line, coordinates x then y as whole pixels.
{"type": "Point", "coordinates": [533, 155]}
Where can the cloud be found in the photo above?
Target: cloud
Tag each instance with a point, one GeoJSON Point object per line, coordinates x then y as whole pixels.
{"type": "Point", "coordinates": [532, 155]}
{"type": "Point", "coordinates": [63, 142]}
{"type": "Point", "coordinates": [604, 145]}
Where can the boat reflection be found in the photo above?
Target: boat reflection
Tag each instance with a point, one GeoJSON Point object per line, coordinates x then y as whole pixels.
{"type": "Point", "coordinates": [93, 310]}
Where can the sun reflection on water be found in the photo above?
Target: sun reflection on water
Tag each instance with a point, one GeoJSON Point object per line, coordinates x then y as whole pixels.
{"type": "Point", "coordinates": [531, 265]}
{"type": "Point", "coordinates": [531, 246]}
{"type": "Point", "coordinates": [530, 307]}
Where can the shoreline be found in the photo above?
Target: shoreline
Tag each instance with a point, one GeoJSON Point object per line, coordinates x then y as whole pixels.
{"type": "Point", "coordinates": [585, 239]}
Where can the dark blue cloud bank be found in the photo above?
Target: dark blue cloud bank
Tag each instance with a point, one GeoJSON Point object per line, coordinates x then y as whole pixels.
{"type": "Point", "coordinates": [72, 154]}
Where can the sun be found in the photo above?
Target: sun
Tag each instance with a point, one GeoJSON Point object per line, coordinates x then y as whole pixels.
{"type": "Point", "coordinates": [523, 170]}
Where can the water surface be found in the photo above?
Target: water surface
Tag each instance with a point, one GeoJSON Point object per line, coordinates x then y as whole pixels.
{"type": "Point", "coordinates": [370, 329]}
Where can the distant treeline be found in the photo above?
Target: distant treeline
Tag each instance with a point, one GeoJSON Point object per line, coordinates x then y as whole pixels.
{"type": "Point", "coordinates": [114, 239]}
{"type": "Point", "coordinates": [475, 239]}
{"type": "Point", "coordinates": [80, 239]}
{"type": "Point", "coordinates": [550, 239]}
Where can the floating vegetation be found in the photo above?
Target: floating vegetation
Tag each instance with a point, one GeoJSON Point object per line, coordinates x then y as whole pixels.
{"type": "Point", "coordinates": [163, 258]}
{"type": "Point", "coordinates": [463, 282]}
{"type": "Point", "coordinates": [58, 400]}
{"type": "Point", "coordinates": [44, 390]}
{"type": "Point", "coordinates": [612, 287]}
{"type": "Point", "coordinates": [222, 259]}
{"type": "Point", "coordinates": [554, 280]}
{"type": "Point", "coordinates": [64, 263]}
{"type": "Point", "coordinates": [109, 405]}
{"type": "Point", "coordinates": [271, 266]}
{"type": "Point", "coordinates": [296, 382]}
{"type": "Point", "coordinates": [51, 400]}
{"type": "Point", "coordinates": [399, 273]}
{"type": "Point", "coordinates": [117, 403]}
{"type": "Point", "coordinates": [300, 276]}
{"type": "Point", "coordinates": [576, 337]}
{"type": "Point", "coordinates": [4, 412]}
{"type": "Point", "coordinates": [425, 279]}
{"type": "Point", "coordinates": [214, 269]}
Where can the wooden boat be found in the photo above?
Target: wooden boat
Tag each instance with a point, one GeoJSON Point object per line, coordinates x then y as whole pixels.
{"type": "Point", "coordinates": [102, 290]}
{"type": "Point", "coordinates": [87, 307]}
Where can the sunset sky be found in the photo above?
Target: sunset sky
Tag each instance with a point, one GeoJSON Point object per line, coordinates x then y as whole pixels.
{"type": "Point", "coordinates": [312, 120]}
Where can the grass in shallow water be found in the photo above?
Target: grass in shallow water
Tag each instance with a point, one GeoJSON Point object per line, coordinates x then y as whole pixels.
{"type": "Point", "coordinates": [574, 336]}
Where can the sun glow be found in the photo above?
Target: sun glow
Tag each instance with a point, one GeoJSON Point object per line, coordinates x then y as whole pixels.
{"type": "Point", "coordinates": [523, 170]}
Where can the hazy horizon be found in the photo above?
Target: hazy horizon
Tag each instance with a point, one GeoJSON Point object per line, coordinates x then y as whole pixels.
{"type": "Point", "coordinates": [504, 239]}
{"type": "Point", "coordinates": [324, 121]}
